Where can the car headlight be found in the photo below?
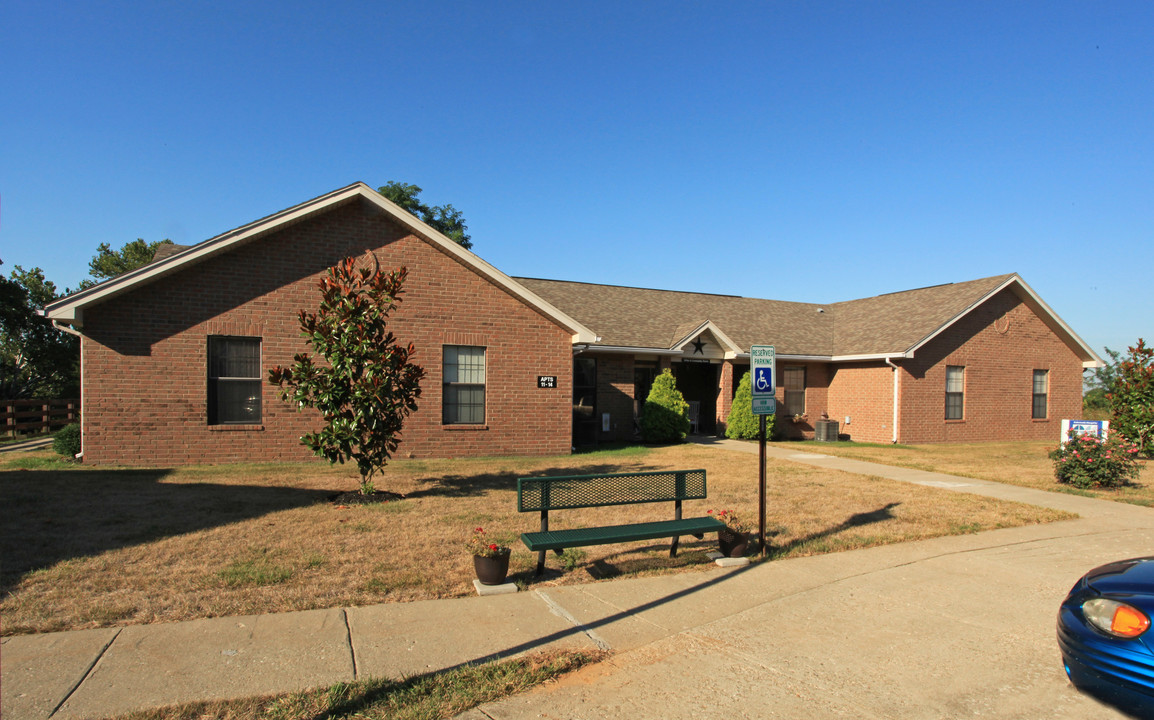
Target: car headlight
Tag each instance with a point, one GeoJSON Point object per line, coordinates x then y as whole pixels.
{"type": "Point", "coordinates": [1115, 618]}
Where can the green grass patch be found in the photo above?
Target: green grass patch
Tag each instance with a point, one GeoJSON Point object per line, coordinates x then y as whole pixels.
{"type": "Point", "coordinates": [257, 570]}
{"type": "Point", "coordinates": [426, 697]}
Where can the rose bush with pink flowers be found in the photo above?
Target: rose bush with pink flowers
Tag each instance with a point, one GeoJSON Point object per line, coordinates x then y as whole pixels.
{"type": "Point", "coordinates": [1087, 461]}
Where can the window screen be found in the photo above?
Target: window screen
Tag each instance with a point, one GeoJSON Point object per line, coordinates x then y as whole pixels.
{"type": "Point", "coordinates": [1041, 392]}
{"type": "Point", "coordinates": [955, 392]}
{"type": "Point", "coordinates": [793, 380]}
{"type": "Point", "coordinates": [463, 401]}
{"type": "Point", "coordinates": [234, 380]}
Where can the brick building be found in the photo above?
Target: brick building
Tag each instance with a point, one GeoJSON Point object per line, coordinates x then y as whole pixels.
{"type": "Point", "coordinates": [175, 355]}
{"type": "Point", "coordinates": [973, 361]}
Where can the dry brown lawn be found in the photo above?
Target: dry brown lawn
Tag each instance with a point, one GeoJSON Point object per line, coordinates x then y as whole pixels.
{"type": "Point", "coordinates": [87, 547]}
{"type": "Point", "coordinates": [1015, 463]}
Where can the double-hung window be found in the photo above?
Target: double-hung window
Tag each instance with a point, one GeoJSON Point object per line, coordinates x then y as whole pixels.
{"type": "Point", "coordinates": [955, 392]}
{"type": "Point", "coordinates": [234, 380]}
{"type": "Point", "coordinates": [793, 380]}
{"type": "Point", "coordinates": [1041, 393]}
{"type": "Point", "coordinates": [463, 400]}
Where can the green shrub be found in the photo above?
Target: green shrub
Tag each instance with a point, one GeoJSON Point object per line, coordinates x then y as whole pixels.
{"type": "Point", "coordinates": [66, 441]}
{"type": "Point", "coordinates": [1090, 462]}
{"type": "Point", "coordinates": [665, 417]}
{"type": "Point", "coordinates": [742, 423]}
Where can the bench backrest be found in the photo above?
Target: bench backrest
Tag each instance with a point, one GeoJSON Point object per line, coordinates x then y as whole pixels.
{"type": "Point", "coordinates": [580, 491]}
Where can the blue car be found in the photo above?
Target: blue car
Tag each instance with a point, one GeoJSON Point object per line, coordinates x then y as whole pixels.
{"type": "Point", "coordinates": [1105, 636]}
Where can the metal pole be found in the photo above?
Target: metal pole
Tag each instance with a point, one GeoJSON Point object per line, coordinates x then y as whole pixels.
{"type": "Point", "coordinates": [761, 486]}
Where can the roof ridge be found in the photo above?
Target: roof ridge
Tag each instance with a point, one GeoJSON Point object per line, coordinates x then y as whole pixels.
{"type": "Point", "coordinates": [633, 287]}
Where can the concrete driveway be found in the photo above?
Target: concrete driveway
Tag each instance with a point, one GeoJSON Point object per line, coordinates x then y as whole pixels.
{"type": "Point", "coordinates": [957, 627]}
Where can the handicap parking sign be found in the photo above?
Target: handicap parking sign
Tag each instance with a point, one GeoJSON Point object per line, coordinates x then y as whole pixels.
{"type": "Point", "coordinates": [763, 379]}
{"type": "Point", "coordinates": [762, 361]}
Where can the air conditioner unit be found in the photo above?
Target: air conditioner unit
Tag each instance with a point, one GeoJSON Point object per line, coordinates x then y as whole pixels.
{"type": "Point", "coordinates": [826, 431]}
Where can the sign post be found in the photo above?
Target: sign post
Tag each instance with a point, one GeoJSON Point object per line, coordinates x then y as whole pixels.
{"type": "Point", "coordinates": [763, 365]}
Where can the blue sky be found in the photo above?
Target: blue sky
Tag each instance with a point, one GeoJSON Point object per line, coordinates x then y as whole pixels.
{"type": "Point", "coordinates": [809, 151]}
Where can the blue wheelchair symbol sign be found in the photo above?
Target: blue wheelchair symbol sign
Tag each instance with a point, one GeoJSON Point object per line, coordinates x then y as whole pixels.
{"type": "Point", "coordinates": [763, 380]}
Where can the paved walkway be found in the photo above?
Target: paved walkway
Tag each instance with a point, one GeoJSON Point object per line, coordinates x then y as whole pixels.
{"type": "Point", "coordinates": [951, 627]}
{"type": "Point", "coordinates": [26, 445]}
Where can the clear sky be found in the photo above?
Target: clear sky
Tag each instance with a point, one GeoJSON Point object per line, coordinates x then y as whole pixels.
{"type": "Point", "coordinates": [808, 151]}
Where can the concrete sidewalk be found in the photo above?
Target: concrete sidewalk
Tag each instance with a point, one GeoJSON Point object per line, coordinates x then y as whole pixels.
{"type": "Point", "coordinates": [950, 627]}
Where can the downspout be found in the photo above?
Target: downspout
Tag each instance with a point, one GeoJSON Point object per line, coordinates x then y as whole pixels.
{"type": "Point", "coordinates": [897, 416]}
{"type": "Point", "coordinates": [71, 331]}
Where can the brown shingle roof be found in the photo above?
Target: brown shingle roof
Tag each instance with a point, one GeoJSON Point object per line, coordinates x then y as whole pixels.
{"type": "Point", "coordinates": [899, 321]}
{"type": "Point", "coordinates": [643, 318]}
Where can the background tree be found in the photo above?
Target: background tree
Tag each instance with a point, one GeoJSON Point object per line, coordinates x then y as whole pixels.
{"type": "Point", "coordinates": [1131, 397]}
{"type": "Point", "coordinates": [665, 417]}
{"type": "Point", "coordinates": [108, 263]}
{"type": "Point", "coordinates": [742, 423]}
{"type": "Point", "coordinates": [36, 359]}
{"type": "Point", "coordinates": [367, 386]}
{"type": "Point", "coordinates": [1095, 404]}
{"type": "Point", "coordinates": [444, 218]}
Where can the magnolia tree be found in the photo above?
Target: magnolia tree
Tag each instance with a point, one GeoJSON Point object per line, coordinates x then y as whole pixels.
{"type": "Point", "coordinates": [367, 386]}
{"type": "Point", "coordinates": [1131, 396]}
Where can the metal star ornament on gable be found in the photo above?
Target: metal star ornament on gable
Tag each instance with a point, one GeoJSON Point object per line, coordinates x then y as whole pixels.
{"type": "Point", "coordinates": [698, 346]}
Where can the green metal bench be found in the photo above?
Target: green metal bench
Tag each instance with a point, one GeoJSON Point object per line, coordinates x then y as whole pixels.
{"type": "Point", "coordinates": [543, 494]}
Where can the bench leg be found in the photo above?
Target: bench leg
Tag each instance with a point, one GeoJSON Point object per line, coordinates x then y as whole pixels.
{"type": "Point", "coordinates": [673, 547]}
{"type": "Point", "coordinates": [540, 562]}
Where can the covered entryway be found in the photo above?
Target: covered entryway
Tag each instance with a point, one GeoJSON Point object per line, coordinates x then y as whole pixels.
{"type": "Point", "coordinates": [697, 382]}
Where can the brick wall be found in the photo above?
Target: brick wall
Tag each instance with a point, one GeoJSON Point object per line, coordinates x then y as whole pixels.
{"type": "Point", "coordinates": [864, 393]}
{"type": "Point", "coordinates": [615, 396]}
{"type": "Point", "coordinates": [999, 344]}
{"type": "Point", "coordinates": [145, 352]}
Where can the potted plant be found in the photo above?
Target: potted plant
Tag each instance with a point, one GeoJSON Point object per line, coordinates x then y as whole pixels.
{"type": "Point", "coordinates": [734, 537]}
{"type": "Point", "coordinates": [490, 560]}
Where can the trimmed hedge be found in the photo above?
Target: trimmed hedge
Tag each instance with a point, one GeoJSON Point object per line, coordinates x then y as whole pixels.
{"type": "Point", "coordinates": [66, 441]}
{"type": "Point", "coordinates": [665, 417]}
{"type": "Point", "coordinates": [742, 424]}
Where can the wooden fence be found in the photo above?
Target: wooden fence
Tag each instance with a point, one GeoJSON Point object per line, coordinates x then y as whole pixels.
{"type": "Point", "coordinates": [33, 417]}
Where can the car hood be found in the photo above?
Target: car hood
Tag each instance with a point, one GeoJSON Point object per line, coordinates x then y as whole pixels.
{"type": "Point", "coordinates": [1126, 577]}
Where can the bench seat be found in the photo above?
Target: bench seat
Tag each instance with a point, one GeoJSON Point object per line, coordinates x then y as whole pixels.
{"type": "Point", "coordinates": [578, 537]}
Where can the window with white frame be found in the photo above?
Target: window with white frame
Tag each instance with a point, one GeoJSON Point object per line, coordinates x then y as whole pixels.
{"type": "Point", "coordinates": [463, 399]}
{"type": "Point", "coordinates": [793, 380]}
{"type": "Point", "coordinates": [1041, 394]}
{"type": "Point", "coordinates": [955, 392]}
{"type": "Point", "coordinates": [234, 380]}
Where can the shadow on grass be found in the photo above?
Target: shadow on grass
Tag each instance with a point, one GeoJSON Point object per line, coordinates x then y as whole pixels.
{"type": "Point", "coordinates": [475, 485]}
{"type": "Point", "coordinates": [53, 516]}
{"type": "Point", "coordinates": [856, 520]}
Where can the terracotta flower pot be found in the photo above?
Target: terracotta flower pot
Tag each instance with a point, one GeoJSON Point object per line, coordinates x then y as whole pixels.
{"type": "Point", "coordinates": [733, 544]}
{"type": "Point", "coordinates": [492, 570]}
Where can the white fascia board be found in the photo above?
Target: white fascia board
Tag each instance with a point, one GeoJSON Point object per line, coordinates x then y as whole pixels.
{"type": "Point", "coordinates": [69, 310]}
{"type": "Point", "coordinates": [581, 334]}
{"type": "Point", "coordinates": [625, 350]}
{"type": "Point", "coordinates": [727, 345]}
{"type": "Point", "coordinates": [784, 356]}
{"type": "Point", "coordinates": [871, 357]}
{"type": "Point", "coordinates": [828, 358]}
{"type": "Point", "coordinates": [1028, 296]}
